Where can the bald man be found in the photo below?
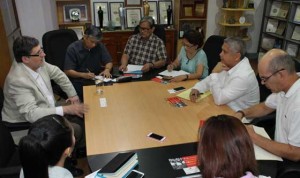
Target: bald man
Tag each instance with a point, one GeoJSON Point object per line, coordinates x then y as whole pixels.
{"type": "Point", "coordinates": [277, 72]}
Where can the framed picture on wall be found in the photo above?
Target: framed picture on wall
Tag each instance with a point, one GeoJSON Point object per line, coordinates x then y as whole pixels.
{"type": "Point", "coordinates": [153, 10]}
{"type": "Point", "coordinates": [133, 17]}
{"type": "Point", "coordinates": [81, 8]}
{"type": "Point", "coordinates": [133, 3]}
{"type": "Point", "coordinates": [292, 49]}
{"type": "Point", "coordinates": [296, 33]}
{"type": "Point", "coordinates": [104, 8]}
{"type": "Point", "coordinates": [163, 6]}
{"type": "Point", "coordinates": [79, 30]}
{"type": "Point", "coordinates": [114, 13]}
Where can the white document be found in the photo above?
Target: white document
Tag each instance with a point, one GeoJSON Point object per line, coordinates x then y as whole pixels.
{"type": "Point", "coordinates": [133, 68]}
{"type": "Point", "coordinates": [261, 154]}
{"type": "Point", "coordinates": [92, 175]}
{"type": "Point", "coordinates": [272, 25]}
{"type": "Point", "coordinates": [173, 73]}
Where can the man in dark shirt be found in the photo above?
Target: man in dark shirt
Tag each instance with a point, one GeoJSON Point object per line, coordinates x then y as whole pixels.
{"type": "Point", "coordinates": [87, 58]}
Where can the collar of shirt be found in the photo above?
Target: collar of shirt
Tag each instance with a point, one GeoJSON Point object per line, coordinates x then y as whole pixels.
{"type": "Point", "coordinates": [31, 72]}
{"type": "Point", "coordinates": [236, 67]}
{"type": "Point", "coordinates": [294, 88]}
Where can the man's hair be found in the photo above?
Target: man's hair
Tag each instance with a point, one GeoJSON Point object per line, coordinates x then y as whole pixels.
{"type": "Point", "coordinates": [194, 37]}
{"type": "Point", "coordinates": [23, 46]}
{"type": "Point", "coordinates": [94, 32]}
{"type": "Point", "coordinates": [44, 145]}
{"type": "Point", "coordinates": [148, 19]}
{"type": "Point", "coordinates": [225, 148]}
{"type": "Point", "coordinates": [282, 61]}
{"type": "Point", "coordinates": [237, 45]}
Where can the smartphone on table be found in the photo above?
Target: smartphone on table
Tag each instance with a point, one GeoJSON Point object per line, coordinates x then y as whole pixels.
{"type": "Point", "coordinates": [135, 174]}
{"type": "Point", "coordinates": [156, 136]}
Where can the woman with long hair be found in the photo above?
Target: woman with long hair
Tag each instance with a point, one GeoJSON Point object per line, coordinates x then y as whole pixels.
{"type": "Point", "coordinates": [43, 151]}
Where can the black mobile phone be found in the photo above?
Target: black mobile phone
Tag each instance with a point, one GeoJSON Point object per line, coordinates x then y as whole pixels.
{"type": "Point", "coordinates": [178, 88]}
{"type": "Point", "coordinates": [156, 136]}
{"type": "Point", "coordinates": [135, 174]}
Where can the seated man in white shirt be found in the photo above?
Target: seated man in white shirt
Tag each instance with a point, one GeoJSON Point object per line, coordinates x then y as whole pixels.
{"type": "Point", "coordinates": [277, 72]}
{"type": "Point", "coordinates": [232, 81]}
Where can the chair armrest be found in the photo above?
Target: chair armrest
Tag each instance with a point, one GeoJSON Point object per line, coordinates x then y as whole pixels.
{"type": "Point", "coordinates": [14, 170]}
{"type": "Point", "coordinates": [291, 171]}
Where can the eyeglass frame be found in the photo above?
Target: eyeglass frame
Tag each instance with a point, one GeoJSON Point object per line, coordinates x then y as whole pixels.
{"type": "Point", "coordinates": [38, 54]}
{"type": "Point", "coordinates": [145, 29]}
{"type": "Point", "coordinates": [265, 79]}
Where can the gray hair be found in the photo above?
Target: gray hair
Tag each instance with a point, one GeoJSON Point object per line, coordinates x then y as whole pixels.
{"type": "Point", "coordinates": [236, 45]}
{"type": "Point", "coordinates": [282, 61]}
{"type": "Point", "coordinates": [148, 19]}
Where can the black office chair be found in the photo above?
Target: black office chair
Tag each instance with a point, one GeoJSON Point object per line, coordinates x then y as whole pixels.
{"type": "Point", "coordinates": [288, 169]}
{"type": "Point", "coordinates": [55, 45]}
{"type": "Point", "coordinates": [158, 31]}
{"type": "Point", "coordinates": [11, 126]}
{"type": "Point", "coordinates": [212, 48]}
{"type": "Point", "coordinates": [10, 164]}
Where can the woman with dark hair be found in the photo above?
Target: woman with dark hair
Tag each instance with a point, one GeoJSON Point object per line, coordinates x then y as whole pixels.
{"type": "Point", "coordinates": [225, 149]}
{"type": "Point", "coordinates": [191, 58]}
{"type": "Point", "coordinates": [43, 151]}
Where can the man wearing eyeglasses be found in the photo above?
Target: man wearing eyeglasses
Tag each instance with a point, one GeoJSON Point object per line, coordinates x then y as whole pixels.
{"type": "Point", "coordinates": [87, 58]}
{"type": "Point", "coordinates": [144, 48]}
{"type": "Point", "coordinates": [232, 81]}
{"type": "Point", "coordinates": [277, 72]}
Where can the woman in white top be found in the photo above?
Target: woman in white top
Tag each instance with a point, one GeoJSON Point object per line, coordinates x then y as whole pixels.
{"type": "Point", "coordinates": [225, 149]}
{"type": "Point", "coordinates": [43, 151]}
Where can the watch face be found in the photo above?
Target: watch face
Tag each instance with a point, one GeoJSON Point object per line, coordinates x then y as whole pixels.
{"type": "Point", "coordinates": [242, 20]}
{"type": "Point", "coordinates": [75, 14]}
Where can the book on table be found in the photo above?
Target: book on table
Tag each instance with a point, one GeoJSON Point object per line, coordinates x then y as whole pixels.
{"type": "Point", "coordinates": [120, 166]}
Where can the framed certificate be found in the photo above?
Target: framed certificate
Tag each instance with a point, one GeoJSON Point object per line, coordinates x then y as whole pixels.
{"type": "Point", "coordinates": [267, 43]}
{"type": "Point", "coordinates": [133, 17]}
{"type": "Point", "coordinates": [297, 14]}
{"type": "Point", "coordinates": [272, 25]}
{"type": "Point", "coordinates": [78, 30]}
{"type": "Point", "coordinates": [163, 6]}
{"type": "Point", "coordinates": [199, 10]}
{"type": "Point", "coordinates": [153, 10]}
{"type": "Point", "coordinates": [104, 8]}
{"type": "Point", "coordinates": [114, 13]}
{"type": "Point", "coordinates": [133, 3]}
{"type": "Point", "coordinates": [296, 33]}
{"type": "Point", "coordinates": [275, 8]}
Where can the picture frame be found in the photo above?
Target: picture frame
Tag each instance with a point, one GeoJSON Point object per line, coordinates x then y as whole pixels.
{"type": "Point", "coordinates": [153, 10]}
{"type": "Point", "coordinates": [133, 17]}
{"type": "Point", "coordinates": [79, 30]}
{"type": "Point", "coordinates": [199, 10]}
{"type": "Point", "coordinates": [81, 7]}
{"type": "Point", "coordinates": [114, 13]}
{"type": "Point", "coordinates": [292, 49]}
{"type": "Point", "coordinates": [104, 7]}
{"type": "Point", "coordinates": [297, 15]}
{"type": "Point", "coordinates": [296, 33]}
{"type": "Point", "coordinates": [163, 6]}
{"type": "Point", "coordinates": [187, 11]}
{"type": "Point", "coordinates": [133, 3]}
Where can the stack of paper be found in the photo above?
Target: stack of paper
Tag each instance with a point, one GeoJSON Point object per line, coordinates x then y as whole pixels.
{"type": "Point", "coordinates": [173, 73]}
{"type": "Point", "coordinates": [186, 95]}
{"type": "Point", "coordinates": [133, 69]}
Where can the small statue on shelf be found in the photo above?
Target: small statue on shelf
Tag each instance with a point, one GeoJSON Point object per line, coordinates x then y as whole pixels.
{"type": "Point", "coordinates": [100, 16]}
{"type": "Point", "coordinates": [225, 3]}
{"type": "Point", "coordinates": [169, 15]}
{"type": "Point", "coordinates": [122, 17]}
{"type": "Point", "coordinates": [146, 8]}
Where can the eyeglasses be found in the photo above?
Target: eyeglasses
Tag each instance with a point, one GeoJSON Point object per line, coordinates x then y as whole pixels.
{"type": "Point", "coordinates": [144, 29]}
{"type": "Point", "coordinates": [38, 54]}
{"type": "Point", "coordinates": [187, 46]}
{"type": "Point", "coordinates": [265, 79]}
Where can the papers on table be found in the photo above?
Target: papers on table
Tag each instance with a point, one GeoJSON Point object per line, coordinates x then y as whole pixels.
{"type": "Point", "coordinates": [186, 95]}
{"type": "Point", "coordinates": [261, 154]}
{"type": "Point", "coordinates": [173, 73]}
{"type": "Point", "coordinates": [133, 69]}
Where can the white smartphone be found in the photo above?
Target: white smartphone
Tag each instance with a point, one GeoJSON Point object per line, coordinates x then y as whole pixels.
{"type": "Point", "coordinates": [156, 136]}
{"type": "Point", "coordinates": [135, 174]}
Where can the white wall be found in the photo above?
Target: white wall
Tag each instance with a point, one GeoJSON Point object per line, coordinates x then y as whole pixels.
{"type": "Point", "coordinates": [214, 14]}
{"type": "Point", "coordinates": [36, 17]}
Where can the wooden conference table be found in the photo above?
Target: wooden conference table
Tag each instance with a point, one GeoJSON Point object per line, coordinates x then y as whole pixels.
{"type": "Point", "coordinates": [135, 109]}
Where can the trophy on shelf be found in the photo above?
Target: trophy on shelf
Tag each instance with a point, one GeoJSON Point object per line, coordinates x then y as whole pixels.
{"type": "Point", "coordinates": [75, 14]}
{"type": "Point", "coordinates": [146, 8]}
{"type": "Point", "coordinates": [122, 17]}
{"type": "Point", "coordinates": [169, 15]}
{"type": "Point", "coordinates": [100, 16]}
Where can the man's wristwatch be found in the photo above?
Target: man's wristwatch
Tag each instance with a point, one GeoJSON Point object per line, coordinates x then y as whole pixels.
{"type": "Point", "coordinates": [242, 112]}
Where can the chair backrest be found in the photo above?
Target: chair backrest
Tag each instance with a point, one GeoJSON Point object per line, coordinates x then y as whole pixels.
{"type": "Point", "coordinates": [1, 102]}
{"type": "Point", "coordinates": [159, 31]}
{"type": "Point", "coordinates": [212, 48]}
{"type": "Point", "coordinates": [55, 45]}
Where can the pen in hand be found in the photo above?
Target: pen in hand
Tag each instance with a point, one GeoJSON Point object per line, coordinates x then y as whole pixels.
{"type": "Point", "coordinates": [90, 74]}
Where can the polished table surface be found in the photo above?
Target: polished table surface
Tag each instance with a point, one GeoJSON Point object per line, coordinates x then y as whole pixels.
{"type": "Point", "coordinates": [135, 109]}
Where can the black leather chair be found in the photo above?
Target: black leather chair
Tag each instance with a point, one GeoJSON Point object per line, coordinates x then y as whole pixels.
{"type": "Point", "coordinates": [159, 31]}
{"type": "Point", "coordinates": [10, 164]}
{"type": "Point", "coordinates": [55, 45]}
{"type": "Point", "coordinates": [212, 48]}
